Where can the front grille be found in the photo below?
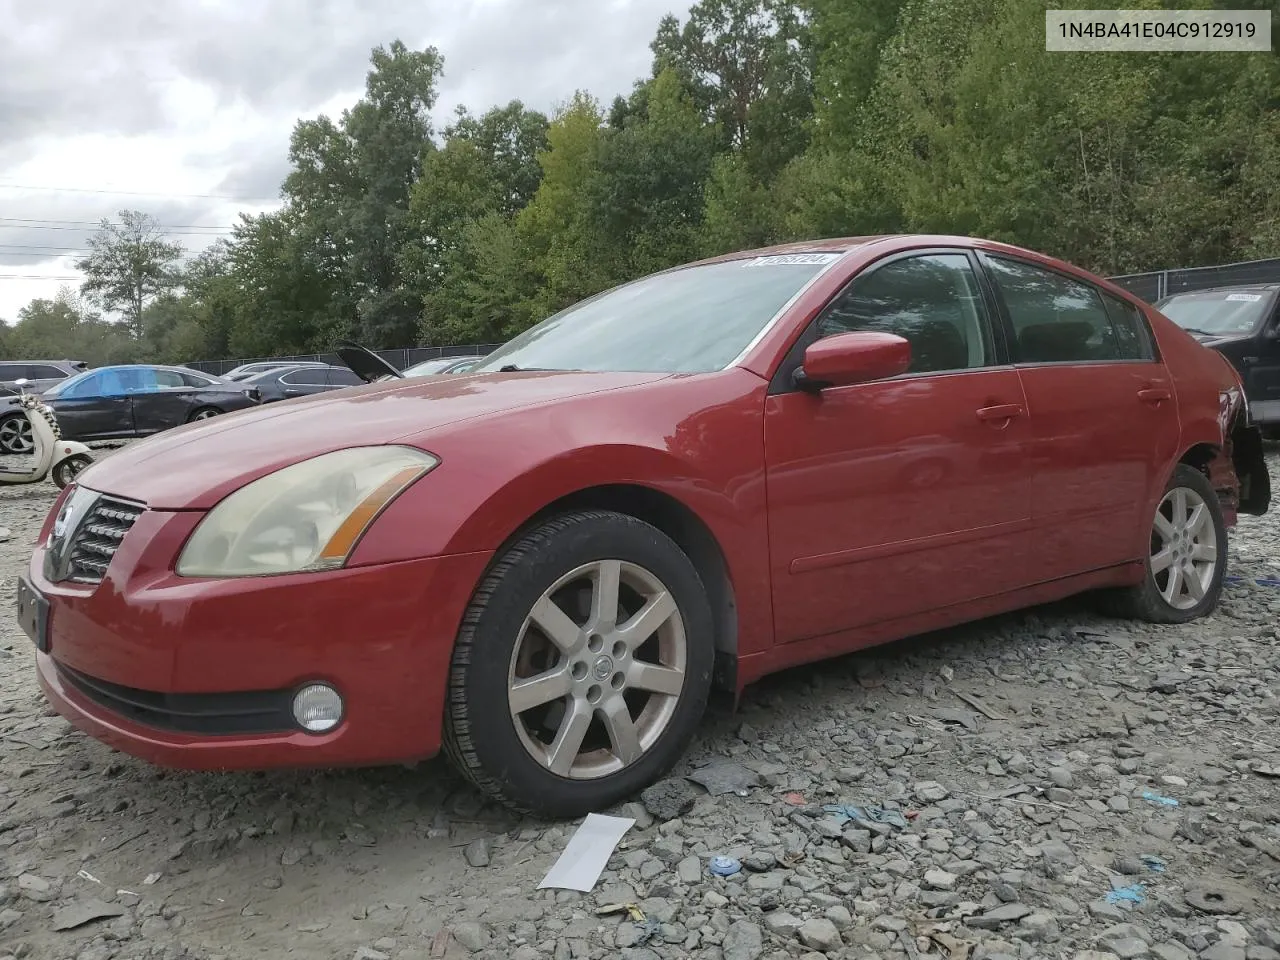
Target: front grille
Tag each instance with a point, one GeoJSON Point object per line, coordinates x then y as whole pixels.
{"type": "Point", "coordinates": [262, 711]}
{"type": "Point", "coordinates": [98, 537]}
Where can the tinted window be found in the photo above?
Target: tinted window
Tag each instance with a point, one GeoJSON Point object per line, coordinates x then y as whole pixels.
{"type": "Point", "coordinates": [44, 372]}
{"type": "Point", "coordinates": [343, 377]}
{"type": "Point", "coordinates": [12, 371]}
{"type": "Point", "coordinates": [170, 379]}
{"type": "Point", "coordinates": [690, 320]}
{"type": "Point", "coordinates": [932, 301]}
{"type": "Point", "coordinates": [1055, 319]}
{"type": "Point", "coordinates": [1132, 337]}
{"type": "Point", "coordinates": [194, 380]}
{"type": "Point", "coordinates": [88, 385]}
{"type": "Point", "coordinates": [309, 377]}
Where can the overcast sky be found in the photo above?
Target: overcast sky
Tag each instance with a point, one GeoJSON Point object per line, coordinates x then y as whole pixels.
{"type": "Point", "coordinates": [183, 108]}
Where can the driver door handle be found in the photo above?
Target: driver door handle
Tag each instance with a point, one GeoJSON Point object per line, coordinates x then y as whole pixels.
{"type": "Point", "coordinates": [1154, 394]}
{"type": "Point", "coordinates": [1001, 411]}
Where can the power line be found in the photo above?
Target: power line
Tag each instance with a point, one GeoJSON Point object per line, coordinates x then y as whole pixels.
{"type": "Point", "coordinates": [194, 230]}
{"type": "Point", "coordinates": [35, 276]}
{"type": "Point", "coordinates": [137, 193]}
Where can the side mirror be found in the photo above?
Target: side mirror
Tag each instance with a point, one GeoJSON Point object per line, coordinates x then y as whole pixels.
{"type": "Point", "coordinates": [848, 358]}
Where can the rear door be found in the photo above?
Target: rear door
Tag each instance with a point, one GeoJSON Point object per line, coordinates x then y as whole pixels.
{"type": "Point", "coordinates": [1104, 415]}
{"type": "Point", "coordinates": [164, 399]}
{"type": "Point", "coordinates": [43, 376]}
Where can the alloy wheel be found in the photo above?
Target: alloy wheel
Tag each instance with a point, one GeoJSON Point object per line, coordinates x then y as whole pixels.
{"type": "Point", "coordinates": [1184, 548]}
{"type": "Point", "coordinates": [15, 435]}
{"type": "Point", "coordinates": [597, 670]}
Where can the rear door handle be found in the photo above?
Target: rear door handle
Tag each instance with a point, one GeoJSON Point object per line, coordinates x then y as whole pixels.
{"type": "Point", "coordinates": [1154, 394]}
{"type": "Point", "coordinates": [1001, 411]}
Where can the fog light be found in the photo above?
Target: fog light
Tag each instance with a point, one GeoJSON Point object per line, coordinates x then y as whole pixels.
{"type": "Point", "coordinates": [317, 707]}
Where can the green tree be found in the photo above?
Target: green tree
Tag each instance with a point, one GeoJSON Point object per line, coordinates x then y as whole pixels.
{"type": "Point", "coordinates": [129, 264]}
{"type": "Point", "coordinates": [350, 188]}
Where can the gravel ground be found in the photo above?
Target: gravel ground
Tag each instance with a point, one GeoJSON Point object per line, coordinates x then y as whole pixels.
{"type": "Point", "coordinates": [1069, 786]}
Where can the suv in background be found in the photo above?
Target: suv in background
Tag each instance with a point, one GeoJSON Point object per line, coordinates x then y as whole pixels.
{"type": "Point", "coordinates": [1243, 324]}
{"type": "Point", "coordinates": [41, 374]}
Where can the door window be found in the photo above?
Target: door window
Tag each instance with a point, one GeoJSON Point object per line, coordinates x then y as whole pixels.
{"type": "Point", "coordinates": [43, 372]}
{"type": "Point", "coordinates": [90, 386]}
{"type": "Point", "coordinates": [1133, 338]}
{"type": "Point", "coordinates": [931, 301]}
{"type": "Point", "coordinates": [170, 379]}
{"type": "Point", "coordinates": [1055, 318]}
{"type": "Point", "coordinates": [12, 371]}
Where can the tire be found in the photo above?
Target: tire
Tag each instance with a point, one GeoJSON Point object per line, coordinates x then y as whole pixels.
{"type": "Point", "coordinates": [204, 413]}
{"type": "Point", "coordinates": [589, 674]}
{"type": "Point", "coordinates": [15, 434]}
{"type": "Point", "coordinates": [1149, 600]}
{"type": "Point", "coordinates": [67, 470]}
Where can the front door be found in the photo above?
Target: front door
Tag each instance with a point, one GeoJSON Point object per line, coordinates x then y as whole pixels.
{"type": "Point", "coordinates": [97, 407]}
{"type": "Point", "coordinates": [904, 495]}
{"type": "Point", "coordinates": [1105, 416]}
{"type": "Point", "coordinates": [1262, 374]}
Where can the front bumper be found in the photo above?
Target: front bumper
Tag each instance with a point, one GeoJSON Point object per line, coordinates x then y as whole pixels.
{"type": "Point", "coordinates": [192, 673]}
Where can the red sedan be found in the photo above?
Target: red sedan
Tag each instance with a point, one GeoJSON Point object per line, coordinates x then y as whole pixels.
{"type": "Point", "coordinates": [697, 478]}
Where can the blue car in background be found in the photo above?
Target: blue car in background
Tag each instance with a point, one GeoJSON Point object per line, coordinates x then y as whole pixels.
{"type": "Point", "coordinates": [137, 400]}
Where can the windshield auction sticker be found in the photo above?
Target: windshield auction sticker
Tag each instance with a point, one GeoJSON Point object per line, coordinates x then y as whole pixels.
{"type": "Point", "coordinates": [1157, 30]}
{"type": "Point", "coordinates": [792, 258]}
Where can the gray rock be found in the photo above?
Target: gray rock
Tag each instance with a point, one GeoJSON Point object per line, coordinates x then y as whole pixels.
{"type": "Point", "coordinates": [669, 799]}
{"type": "Point", "coordinates": [477, 852]}
{"type": "Point", "coordinates": [1222, 950]}
{"type": "Point", "coordinates": [743, 941]}
{"type": "Point", "coordinates": [783, 924]}
{"type": "Point", "coordinates": [940, 880]}
{"type": "Point", "coordinates": [690, 870]}
{"type": "Point", "coordinates": [471, 935]}
{"type": "Point", "coordinates": [1129, 948]}
{"type": "Point", "coordinates": [1062, 777]}
{"type": "Point", "coordinates": [999, 916]}
{"type": "Point", "coordinates": [819, 934]}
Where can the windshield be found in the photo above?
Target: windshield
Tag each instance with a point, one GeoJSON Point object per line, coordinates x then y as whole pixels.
{"type": "Point", "coordinates": [429, 366]}
{"type": "Point", "coordinates": [1219, 312]}
{"type": "Point", "coordinates": [71, 381]}
{"type": "Point", "coordinates": [691, 320]}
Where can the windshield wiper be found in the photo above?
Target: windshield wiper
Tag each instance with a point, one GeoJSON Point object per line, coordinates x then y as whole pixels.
{"type": "Point", "coordinates": [1203, 333]}
{"type": "Point", "coordinates": [515, 368]}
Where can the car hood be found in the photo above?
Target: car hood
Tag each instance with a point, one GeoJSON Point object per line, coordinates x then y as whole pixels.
{"type": "Point", "coordinates": [194, 466]}
{"type": "Point", "coordinates": [1218, 339]}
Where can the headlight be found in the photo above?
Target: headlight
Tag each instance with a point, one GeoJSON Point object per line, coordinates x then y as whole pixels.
{"type": "Point", "coordinates": [308, 516]}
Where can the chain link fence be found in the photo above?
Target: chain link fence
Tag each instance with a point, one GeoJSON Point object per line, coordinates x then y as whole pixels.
{"type": "Point", "coordinates": [1161, 283]}
{"type": "Point", "coordinates": [400, 359]}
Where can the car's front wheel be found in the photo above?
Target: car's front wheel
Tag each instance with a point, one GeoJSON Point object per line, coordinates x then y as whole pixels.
{"type": "Point", "coordinates": [582, 667]}
{"type": "Point", "coordinates": [1187, 559]}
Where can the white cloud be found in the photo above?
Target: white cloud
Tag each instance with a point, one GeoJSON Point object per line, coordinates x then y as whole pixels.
{"type": "Point", "coordinates": [162, 105]}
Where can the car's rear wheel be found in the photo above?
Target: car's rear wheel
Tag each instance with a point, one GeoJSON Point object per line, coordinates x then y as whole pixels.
{"type": "Point", "coordinates": [204, 413]}
{"type": "Point", "coordinates": [1187, 558]}
{"type": "Point", "coordinates": [15, 434]}
{"type": "Point", "coordinates": [582, 666]}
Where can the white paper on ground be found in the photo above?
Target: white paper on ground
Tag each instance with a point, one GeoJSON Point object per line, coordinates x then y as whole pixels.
{"type": "Point", "coordinates": [589, 849]}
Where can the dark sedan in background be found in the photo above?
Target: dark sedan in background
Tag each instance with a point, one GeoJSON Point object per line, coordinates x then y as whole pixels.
{"type": "Point", "coordinates": [136, 400]}
{"type": "Point", "coordinates": [301, 380]}
{"type": "Point", "coordinates": [247, 370]}
{"type": "Point", "coordinates": [1243, 324]}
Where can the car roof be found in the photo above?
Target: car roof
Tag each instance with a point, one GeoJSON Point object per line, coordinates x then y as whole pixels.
{"type": "Point", "coordinates": [1227, 288]}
